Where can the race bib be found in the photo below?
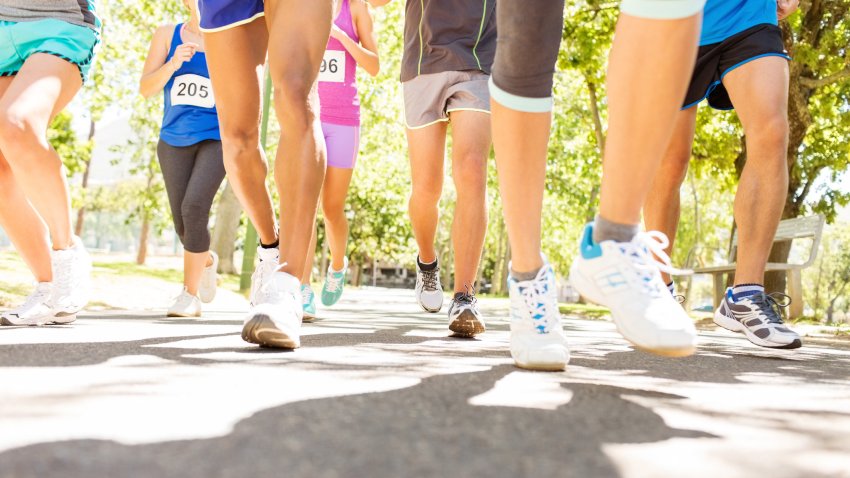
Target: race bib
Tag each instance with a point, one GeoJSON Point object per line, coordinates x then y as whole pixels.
{"type": "Point", "coordinates": [192, 90]}
{"type": "Point", "coordinates": [333, 67]}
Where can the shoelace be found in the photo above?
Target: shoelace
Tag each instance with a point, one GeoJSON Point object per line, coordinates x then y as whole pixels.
{"type": "Point", "coordinates": [641, 250]}
{"type": "Point", "coordinates": [266, 288]}
{"type": "Point", "coordinates": [534, 297]}
{"type": "Point", "coordinates": [305, 295]}
{"type": "Point", "coordinates": [429, 279]}
{"type": "Point", "coordinates": [771, 302]}
{"type": "Point", "coordinates": [333, 282]}
{"type": "Point", "coordinates": [63, 279]}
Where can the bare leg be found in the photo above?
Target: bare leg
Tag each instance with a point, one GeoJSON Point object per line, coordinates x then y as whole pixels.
{"type": "Point", "coordinates": [334, 194]}
{"type": "Point", "coordinates": [759, 90]}
{"type": "Point", "coordinates": [426, 148]}
{"type": "Point", "coordinates": [43, 87]}
{"type": "Point", "coordinates": [298, 36]}
{"type": "Point", "coordinates": [662, 208]}
{"type": "Point", "coordinates": [193, 267]}
{"type": "Point", "coordinates": [236, 57]}
{"type": "Point", "coordinates": [641, 125]}
{"type": "Point", "coordinates": [20, 221]}
{"type": "Point", "coordinates": [307, 276]}
{"type": "Point", "coordinates": [521, 162]}
{"type": "Point", "coordinates": [470, 149]}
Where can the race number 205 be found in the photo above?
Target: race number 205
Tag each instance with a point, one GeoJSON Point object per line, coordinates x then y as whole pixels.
{"type": "Point", "coordinates": [192, 90]}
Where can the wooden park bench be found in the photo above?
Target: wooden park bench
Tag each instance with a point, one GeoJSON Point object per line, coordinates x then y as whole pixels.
{"type": "Point", "coordinates": [810, 227]}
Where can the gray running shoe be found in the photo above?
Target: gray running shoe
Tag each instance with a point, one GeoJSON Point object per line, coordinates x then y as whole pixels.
{"type": "Point", "coordinates": [759, 317]}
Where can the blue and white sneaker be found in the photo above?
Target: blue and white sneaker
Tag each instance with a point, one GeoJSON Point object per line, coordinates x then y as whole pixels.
{"type": "Point", "coordinates": [464, 318]}
{"type": "Point", "coordinates": [308, 302]}
{"type": "Point", "coordinates": [334, 284]}
{"type": "Point", "coordinates": [537, 336]}
{"type": "Point", "coordinates": [626, 278]}
{"type": "Point", "coordinates": [759, 318]}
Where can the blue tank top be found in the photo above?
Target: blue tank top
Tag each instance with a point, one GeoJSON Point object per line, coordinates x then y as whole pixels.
{"type": "Point", "coordinates": [724, 18]}
{"type": "Point", "coordinates": [189, 116]}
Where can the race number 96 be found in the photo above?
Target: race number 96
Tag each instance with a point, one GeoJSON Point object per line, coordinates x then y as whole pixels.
{"type": "Point", "coordinates": [333, 67]}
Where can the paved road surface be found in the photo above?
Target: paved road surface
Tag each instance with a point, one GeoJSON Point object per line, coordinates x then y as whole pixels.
{"type": "Point", "coordinates": [379, 390]}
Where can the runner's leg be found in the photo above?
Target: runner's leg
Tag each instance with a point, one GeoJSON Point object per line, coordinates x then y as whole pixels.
{"type": "Point", "coordinates": [662, 208]}
{"type": "Point", "coordinates": [40, 90]}
{"type": "Point", "coordinates": [20, 221]}
{"type": "Point", "coordinates": [235, 58]}
{"type": "Point", "coordinates": [426, 147]}
{"type": "Point", "coordinates": [759, 90]}
{"type": "Point", "coordinates": [470, 149]}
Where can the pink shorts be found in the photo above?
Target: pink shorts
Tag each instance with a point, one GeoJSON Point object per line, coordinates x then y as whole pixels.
{"type": "Point", "coordinates": [343, 143]}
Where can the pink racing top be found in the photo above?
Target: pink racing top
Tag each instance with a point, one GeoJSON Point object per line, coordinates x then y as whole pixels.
{"type": "Point", "coordinates": [340, 103]}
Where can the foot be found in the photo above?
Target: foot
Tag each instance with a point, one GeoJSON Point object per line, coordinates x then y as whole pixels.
{"type": "Point", "coordinates": [429, 291]}
{"type": "Point", "coordinates": [537, 336]}
{"type": "Point", "coordinates": [275, 320]}
{"type": "Point", "coordinates": [759, 318]}
{"type": "Point", "coordinates": [209, 279]}
{"type": "Point", "coordinates": [267, 264]}
{"type": "Point", "coordinates": [185, 305]}
{"type": "Point", "coordinates": [626, 278]}
{"type": "Point", "coordinates": [71, 280]}
{"type": "Point", "coordinates": [464, 318]}
{"type": "Point", "coordinates": [308, 303]}
{"type": "Point", "coordinates": [35, 310]}
{"type": "Point", "coordinates": [334, 283]}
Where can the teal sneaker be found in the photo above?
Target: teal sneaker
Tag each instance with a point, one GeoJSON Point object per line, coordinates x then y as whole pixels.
{"type": "Point", "coordinates": [308, 302]}
{"type": "Point", "coordinates": [334, 283]}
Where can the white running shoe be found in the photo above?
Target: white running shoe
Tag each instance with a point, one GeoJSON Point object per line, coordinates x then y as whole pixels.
{"type": "Point", "coordinates": [429, 291]}
{"type": "Point", "coordinates": [185, 305]}
{"type": "Point", "coordinates": [626, 278]}
{"type": "Point", "coordinates": [537, 336]}
{"type": "Point", "coordinates": [268, 263]}
{"type": "Point", "coordinates": [35, 310]}
{"type": "Point", "coordinates": [760, 318]}
{"type": "Point", "coordinates": [464, 318]}
{"type": "Point", "coordinates": [276, 319]}
{"type": "Point", "coordinates": [209, 280]}
{"type": "Point", "coordinates": [71, 280]}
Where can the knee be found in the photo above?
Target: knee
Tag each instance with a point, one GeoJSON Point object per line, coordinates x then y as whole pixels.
{"type": "Point", "coordinates": [294, 100]}
{"type": "Point", "coordinates": [426, 193]}
{"type": "Point", "coordinates": [772, 135]}
{"type": "Point", "coordinates": [236, 143]}
{"type": "Point", "coordinates": [194, 214]}
{"type": "Point", "coordinates": [15, 131]}
{"type": "Point", "coordinates": [470, 172]}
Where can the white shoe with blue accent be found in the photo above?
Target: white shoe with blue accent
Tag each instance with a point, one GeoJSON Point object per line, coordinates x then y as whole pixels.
{"type": "Point", "coordinates": [537, 336]}
{"type": "Point", "coordinates": [626, 278]}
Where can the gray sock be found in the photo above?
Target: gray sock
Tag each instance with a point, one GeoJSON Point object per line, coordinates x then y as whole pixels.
{"type": "Point", "coordinates": [524, 276]}
{"type": "Point", "coordinates": [605, 230]}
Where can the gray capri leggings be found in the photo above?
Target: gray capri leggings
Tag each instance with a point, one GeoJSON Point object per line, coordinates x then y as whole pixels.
{"type": "Point", "coordinates": [192, 176]}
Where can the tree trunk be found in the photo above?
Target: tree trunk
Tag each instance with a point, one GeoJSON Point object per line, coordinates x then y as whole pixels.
{"type": "Point", "coordinates": [224, 233]}
{"type": "Point", "coordinates": [142, 256]}
{"type": "Point", "coordinates": [600, 143]}
{"type": "Point", "coordinates": [81, 212]}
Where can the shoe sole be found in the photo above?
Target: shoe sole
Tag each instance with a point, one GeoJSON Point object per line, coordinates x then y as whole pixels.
{"type": "Point", "coordinates": [308, 317]}
{"type": "Point", "coordinates": [590, 294]}
{"type": "Point", "coordinates": [543, 367]}
{"type": "Point", "coordinates": [177, 314]}
{"type": "Point", "coordinates": [63, 319]}
{"type": "Point", "coordinates": [39, 322]}
{"type": "Point", "coordinates": [733, 325]}
{"type": "Point", "coordinates": [261, 330]}
{"type": "Point", "coordinates": [466, 325]}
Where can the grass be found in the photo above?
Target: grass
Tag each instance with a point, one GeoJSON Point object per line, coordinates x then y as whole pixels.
{"type": "Point", "coordinates": [585, 311]}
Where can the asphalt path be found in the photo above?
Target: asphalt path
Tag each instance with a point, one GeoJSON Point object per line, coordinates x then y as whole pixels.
{"type": "Point", "coordinates": [379, 389]}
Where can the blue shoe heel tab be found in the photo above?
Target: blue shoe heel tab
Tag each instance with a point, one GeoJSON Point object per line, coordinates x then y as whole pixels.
{"type": "Point", "coordinates": [589, 249]}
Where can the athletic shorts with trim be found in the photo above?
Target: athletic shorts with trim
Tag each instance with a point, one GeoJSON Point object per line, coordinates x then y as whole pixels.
{"type": "Point", "coordinates": [20, 40]}
{"type": "Point", "coordinates": [217, 15]}
{"type": "Point", "coordinates": [716, 60]}
{"type": "Point", "coordinates": [430, 98]}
